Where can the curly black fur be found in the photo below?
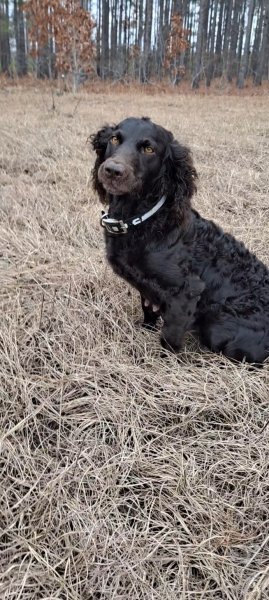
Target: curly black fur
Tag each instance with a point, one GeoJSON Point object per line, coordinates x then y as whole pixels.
{"type": "Point", "coordinates": [200, 278]}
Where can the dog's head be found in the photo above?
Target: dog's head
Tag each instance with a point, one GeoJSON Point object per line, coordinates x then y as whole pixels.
{"type": "Point", "coordinates": [142, 158]}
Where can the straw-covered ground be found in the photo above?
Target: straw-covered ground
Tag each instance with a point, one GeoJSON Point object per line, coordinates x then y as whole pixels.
{"type": "Point", "coordinates": [124, 475]}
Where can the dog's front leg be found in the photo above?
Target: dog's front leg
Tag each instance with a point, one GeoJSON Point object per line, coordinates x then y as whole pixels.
{"type": "Point", "coordinates": [151, 313]}
{"type": "Point", "coordinates": [176, 324]}
{"type": "Point", "coordinates": [151, 294]}
{"type": "Point", "coordinates": [179, 314]}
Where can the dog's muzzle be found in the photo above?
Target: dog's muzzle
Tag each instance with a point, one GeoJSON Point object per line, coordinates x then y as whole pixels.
{"type": "Point", "coordinates": [117, 177]}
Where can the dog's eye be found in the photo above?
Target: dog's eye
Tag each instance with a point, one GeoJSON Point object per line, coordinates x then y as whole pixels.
{"type": "Point", "coordinates": [148, 150]}
{"type": "Point", "coordinates": [114, 140]}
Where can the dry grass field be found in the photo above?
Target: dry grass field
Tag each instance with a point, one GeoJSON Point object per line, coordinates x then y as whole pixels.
{"type": "Point", "coordinates": [124, 476]}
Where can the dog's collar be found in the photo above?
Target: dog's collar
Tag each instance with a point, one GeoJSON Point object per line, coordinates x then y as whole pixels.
{"type": "Point", "coordinates": [118, 227]}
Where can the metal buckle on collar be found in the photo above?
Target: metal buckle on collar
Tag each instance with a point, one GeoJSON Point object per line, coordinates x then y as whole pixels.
{"type": "Point", "coordinates": [116, 227]}
{"type": "Point", "coordinates": [113, 226]}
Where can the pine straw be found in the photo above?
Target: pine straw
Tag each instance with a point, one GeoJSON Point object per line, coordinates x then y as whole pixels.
{"type": "Point", "coordinates": [123, 475]}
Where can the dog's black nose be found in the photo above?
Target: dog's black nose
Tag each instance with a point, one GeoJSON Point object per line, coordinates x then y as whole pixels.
{"type": "Point", "coordinates": [114, 169]}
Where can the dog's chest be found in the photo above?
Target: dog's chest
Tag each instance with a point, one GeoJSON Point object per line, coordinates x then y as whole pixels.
{"type": "Point", "coordinates": [126, 258]}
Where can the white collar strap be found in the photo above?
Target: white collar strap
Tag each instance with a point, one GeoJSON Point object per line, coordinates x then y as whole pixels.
{"type": "Point", "coordinates": [117, 227]}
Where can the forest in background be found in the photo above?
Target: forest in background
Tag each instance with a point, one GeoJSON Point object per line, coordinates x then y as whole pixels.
{"type": "Point", "coordinates": [139, 40]}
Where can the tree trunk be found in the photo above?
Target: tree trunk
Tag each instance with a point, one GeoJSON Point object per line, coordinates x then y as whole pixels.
{"type": "Point", "coordinates": [202, 27]}
{"type": "Point", "coordinates": [205, 36]}
{"type": "Point", "coordinates": [241, 35]}
{"type": "Point", "coordinates": [20, 38]}
{"type": "Point", "coordinates": [125, 26]}
{"type": "Point", "coordinates": [166, 25]}
{"type": "Point", "coordinates": [5, 56]}
{"type": "Point", "coordinates": [98, 40]}
{"type": "Point", "coordinates": [140, 38]}
{"type": "Point", "coordinates": [264, 48]}
{"type": "Point", "coordinates": [234, 40]}
{"type": "Point", "coordinates": [219, 40]}
{"type": "Point", "coordinates": [227, 35]}
{"type": "Point", "coordinates": [160, 41]}
{"type": "Point", "coordinates": [120, 23]}
{"type": "Point", "coordinates": [105, 34]}
{"type": "Point", "coordinates": [147, 39]}
{"type": "Point", "coordinates": [191, 54]}
{"type": "Point", "coordinates": [113, 49]}
{"type": "Point", "coordinates": [182, 57]}
{"type": "Point", "coordinates": [211, 61]}
{"type": "Point", "coordinates": [210, 23]}
{"type": "Point", "coordinates": [245, 59]}
{"type": "Point", "coordinates": [257, 40]}
{"type": "Point", "coordinates": [219, 32]}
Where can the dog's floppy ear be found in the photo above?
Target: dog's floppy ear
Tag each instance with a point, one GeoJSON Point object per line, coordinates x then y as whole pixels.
{"type": "Point", "coordinates": [179, 177]}
{"type": "Point", "coordinates": [100, 139]}
{"type": "Point", "coordinates": [186, 173]}
{"type": "Point", "coordinates": [180, 169]}
{"type": "Point", "coordinates": [99, 143]}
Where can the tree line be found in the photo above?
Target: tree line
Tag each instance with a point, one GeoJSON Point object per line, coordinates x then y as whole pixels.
{"type": "Point", "coordinates": [143, 40]}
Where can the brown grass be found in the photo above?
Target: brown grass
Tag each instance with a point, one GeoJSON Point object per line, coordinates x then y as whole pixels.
{"type": "Point", "coordinates": [124, 476]}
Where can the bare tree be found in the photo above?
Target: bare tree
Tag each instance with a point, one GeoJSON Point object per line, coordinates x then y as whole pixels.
{"type": "Point", "coordinates": [202, 28]}
{"type": "Point", "coordinates": [21, 62]}
{"type": "Point", "coordinates": [5, 55]}
{"type": "Point", "coordinates": [227, 35]}
{"type": "Point", "coordinates": [98, 39]}
{"type": "Point", "coordinates": [264, 47]}
{"type": "Point", "coordinates": [211, 44]}
{"type": "Point", "coordinates": [219, 39]}
{"type": "Point", "coordinates": [105, 40]}
{"type": "Point", "coordinates": [113, 37]}
{"type": "Point", "coordinates": [257, 39]}
{"type": "Point", "coordinates": [232, 58]}
{"type": "Point", "coordinates": [72, 27]}
{"type": "Point", "coordinates": [245, 59]}
{"type": "Point", "coordinates": [147, 39]}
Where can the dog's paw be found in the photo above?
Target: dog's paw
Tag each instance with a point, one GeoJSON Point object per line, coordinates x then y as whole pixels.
{"type": "Point", "coordinates": [153, 307]}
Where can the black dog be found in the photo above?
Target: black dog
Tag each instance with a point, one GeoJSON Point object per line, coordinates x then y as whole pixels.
{"type": "Point", "coordinates": [186, 268]}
